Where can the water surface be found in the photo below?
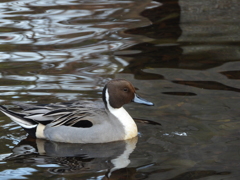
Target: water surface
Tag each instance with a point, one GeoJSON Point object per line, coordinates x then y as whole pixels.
{"type": "Point", "coordinates": [181, 55]}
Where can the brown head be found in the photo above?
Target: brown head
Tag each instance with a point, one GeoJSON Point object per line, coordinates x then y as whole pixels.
{"type": "Point", "coordinates": [121, 92]}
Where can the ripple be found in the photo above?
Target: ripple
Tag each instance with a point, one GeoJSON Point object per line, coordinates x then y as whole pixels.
{"type": "Point", "coordinates": [18, 173]}
{"type": "Point", "coordinates": [13, 88]}
{"type": "Point", "coordinates": [58, 33]}
{"type": "Point", "coordinates": [21, 78]}
{"type": "Point", "coordinates": [25, 56]}
{"type": "Point", "coordinates": [175, 134]}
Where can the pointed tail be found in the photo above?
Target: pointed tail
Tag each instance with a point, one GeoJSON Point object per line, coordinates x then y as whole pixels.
{"type": "Point", "coordinates": [19, 118]}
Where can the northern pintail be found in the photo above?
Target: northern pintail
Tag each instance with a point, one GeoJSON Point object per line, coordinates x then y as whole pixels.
{"type": "Point", "coordinates": [83, 121]}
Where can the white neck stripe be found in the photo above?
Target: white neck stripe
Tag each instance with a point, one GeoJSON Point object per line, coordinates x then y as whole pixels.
{"type": "Point", "coordinates": [122, 115]}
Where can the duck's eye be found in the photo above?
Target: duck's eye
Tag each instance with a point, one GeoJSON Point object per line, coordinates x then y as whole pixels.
{"type": "Point", "coordinates": [125, 89]}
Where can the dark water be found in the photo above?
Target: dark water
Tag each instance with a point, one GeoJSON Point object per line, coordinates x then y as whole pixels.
{"type": "Point", "coordinates": [181, 55]}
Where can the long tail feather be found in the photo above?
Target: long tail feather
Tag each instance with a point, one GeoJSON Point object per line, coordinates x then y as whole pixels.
{"type": "Point", "coordinates": [19, 118]}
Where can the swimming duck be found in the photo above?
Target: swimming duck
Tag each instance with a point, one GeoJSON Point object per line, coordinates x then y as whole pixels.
{"type": "Point", "coordinates": [83, 121]}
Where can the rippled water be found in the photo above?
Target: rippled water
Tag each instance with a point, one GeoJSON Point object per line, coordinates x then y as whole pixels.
{"type": "Point", "coordinates": [181, 55]}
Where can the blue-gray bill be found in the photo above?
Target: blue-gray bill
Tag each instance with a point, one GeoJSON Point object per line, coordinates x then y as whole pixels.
{"type": "Point", "coordinates": [140, 100]}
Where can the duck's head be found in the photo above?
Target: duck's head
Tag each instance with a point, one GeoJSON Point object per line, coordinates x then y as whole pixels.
{"type": "Point", "coordinates": [119, 92]}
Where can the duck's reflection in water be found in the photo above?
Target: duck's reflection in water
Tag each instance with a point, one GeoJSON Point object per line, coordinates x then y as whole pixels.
{"type": "Point", "coordinates": [64, 158]}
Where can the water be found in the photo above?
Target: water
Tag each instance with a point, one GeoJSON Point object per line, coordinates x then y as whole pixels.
{"type": "Point", "coordinates": [181, 55]}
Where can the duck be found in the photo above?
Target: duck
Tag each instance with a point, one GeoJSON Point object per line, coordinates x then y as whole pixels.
{"type": "Point", "coordinates": [82, 121]}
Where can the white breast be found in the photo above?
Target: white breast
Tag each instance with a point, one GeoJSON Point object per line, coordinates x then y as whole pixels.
{"type": "Point", "coordinates": [122, 115]}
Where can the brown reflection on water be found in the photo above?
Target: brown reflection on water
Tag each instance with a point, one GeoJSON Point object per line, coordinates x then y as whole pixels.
{"type": "Point", "coordinates": [211, 85]}
{"type": "Point", "coordinates": [180, 93]}
{"type": "Point", "coordinates": [174, 44]}
{"type": "Point", "coordinates": [191, 52]}
{"type": "Point", "coordinates": [163, 51]}
{"type": "Point", "coordinates": [198, 175]}
{"type": "Point", "coordinates": [231, 74]}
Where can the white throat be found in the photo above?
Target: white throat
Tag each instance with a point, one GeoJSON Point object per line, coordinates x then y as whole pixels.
{"type": "Point", "coordinates": [122, 115]}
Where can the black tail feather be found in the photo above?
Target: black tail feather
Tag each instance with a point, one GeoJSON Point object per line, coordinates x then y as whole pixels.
{"type": "Point", "coordinates": [19, 116]}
